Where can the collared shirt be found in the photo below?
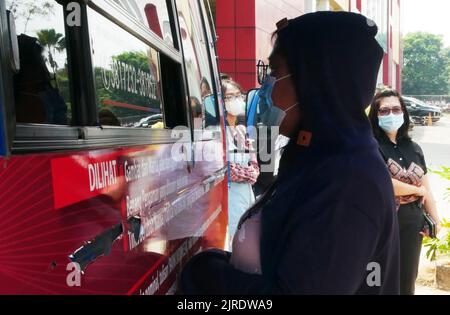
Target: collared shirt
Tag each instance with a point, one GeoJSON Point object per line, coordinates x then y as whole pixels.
{"type": "Point", "coordinates": [404, 152]}
{"type": "Point", "coordinates": [406, 163]}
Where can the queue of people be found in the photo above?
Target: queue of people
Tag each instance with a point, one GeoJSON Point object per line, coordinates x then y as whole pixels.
{"type": "Point", "coordinates": [348, 204]}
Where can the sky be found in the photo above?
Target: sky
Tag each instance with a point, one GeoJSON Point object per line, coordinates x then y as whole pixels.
{"type": "Point", "coordinates": [431, 16]}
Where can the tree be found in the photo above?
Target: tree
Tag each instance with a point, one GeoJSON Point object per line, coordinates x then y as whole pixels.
{"type": "Point", "coordinates": [28, 8]}
{"type": "Point", "coordinates": [135, 61]}
{"type": "Point", "coordinates": [425, 68]}
{"type": "Point", "coordinates": [447, 55]}
{"type": "Point", "coordinates": [53, 42]}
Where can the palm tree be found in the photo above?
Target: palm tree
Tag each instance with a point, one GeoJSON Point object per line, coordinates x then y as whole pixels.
{"type": "Point", "coordinates": [54, 42]}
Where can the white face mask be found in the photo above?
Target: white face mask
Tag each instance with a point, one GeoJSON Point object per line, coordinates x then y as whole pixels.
{"type": "Point", "coordinates": [236, 107]}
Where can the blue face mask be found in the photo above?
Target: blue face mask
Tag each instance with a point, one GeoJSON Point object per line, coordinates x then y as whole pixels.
{"type": "Point", "coordinates": [271, 114]}
{"type": "Point", "coordinates": [391, 123]}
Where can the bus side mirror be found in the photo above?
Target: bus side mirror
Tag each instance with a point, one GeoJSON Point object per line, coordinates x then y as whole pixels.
{"type": "Point", "coordinates": [211, 112]}
{"type": "Point", "coordinates": [13, 43]}
{"type": "Point", "coordinates": [210, 104]}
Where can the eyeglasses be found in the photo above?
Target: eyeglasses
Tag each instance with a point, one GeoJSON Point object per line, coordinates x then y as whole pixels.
{"type": "Point", "coordinates": [230, 98]}
{"type": "Point", "coordinates": [263, 71]}
{"type": "Point", "coordinates": [386, 111]}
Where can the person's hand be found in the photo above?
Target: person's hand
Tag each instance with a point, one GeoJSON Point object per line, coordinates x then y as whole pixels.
{"type": "Point", "coordinates": [438, 228]}
{"type": "Point", "coordinates": [421, 191]}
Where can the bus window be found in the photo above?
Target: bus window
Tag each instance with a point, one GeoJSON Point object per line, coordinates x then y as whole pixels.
{"type": "Point", "coordinates": [198, 70]}
{"type": "Point", "coordinates": [153, 14]}
{"type": "Point", "coordinates": [41, 87]}
{"type": "Point", "coordinates": [127, 76]}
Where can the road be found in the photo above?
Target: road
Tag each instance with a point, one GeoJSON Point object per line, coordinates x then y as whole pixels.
{"type": "Point", "coordinates": [435, 143]}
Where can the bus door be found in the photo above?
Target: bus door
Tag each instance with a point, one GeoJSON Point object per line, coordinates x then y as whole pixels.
{"type": "Point", "coordinates": [207, 117]}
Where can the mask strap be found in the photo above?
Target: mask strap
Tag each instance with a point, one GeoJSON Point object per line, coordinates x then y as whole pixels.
{"type": "Point", "coordinates": [285, 77]}
{"type": "Point", "coordinates": [291, 107]}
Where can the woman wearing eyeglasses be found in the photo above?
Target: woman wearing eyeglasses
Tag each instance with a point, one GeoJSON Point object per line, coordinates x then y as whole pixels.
{"type": "Point", "coordinates": [244, 170]}
{"type": "Point", "coordinates": [406, 163]}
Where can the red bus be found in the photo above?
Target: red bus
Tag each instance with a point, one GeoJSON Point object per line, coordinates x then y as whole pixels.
{"type": "Point", "coordinates": [101, 192]}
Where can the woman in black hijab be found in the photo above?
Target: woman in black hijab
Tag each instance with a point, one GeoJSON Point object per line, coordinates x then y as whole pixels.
{"type": "Point", "coordinates": [328, 224]}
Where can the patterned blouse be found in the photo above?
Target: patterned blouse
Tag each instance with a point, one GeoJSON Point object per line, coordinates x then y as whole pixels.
{"type": "Point", "coordinates": [412, 176]}
{"type": "Point", "coordinates": [239, 143]}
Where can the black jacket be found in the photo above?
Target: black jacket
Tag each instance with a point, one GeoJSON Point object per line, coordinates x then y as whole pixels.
{"type": "Point", "coordinates": [330, 224]}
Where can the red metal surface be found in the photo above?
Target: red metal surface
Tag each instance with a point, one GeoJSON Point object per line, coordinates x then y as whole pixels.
{"type": "Point", "coordinates": [244, 28]}
{"type": "Point", "coordinates": [49, 210]}
{"type": "Point", "coordinates": [386, 69]}
{"type": "Point", "coordinates": [152, 19]}
{"type": "Point", "coordinates": [358, 5]}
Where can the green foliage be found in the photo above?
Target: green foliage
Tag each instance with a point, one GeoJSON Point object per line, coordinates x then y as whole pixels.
{"type": "Point", "coordinates": [53, 42]}
{"type": "Point", "coordinates": [439, 246]}
{"type": "Point", "coordinates": [138, 60]}
{"type": "Point", "coordinates": [426, 68]}
{"type": "Point", "coordinates": [444, 173]}
{"type": "Point", "coordinates": [26, 9]}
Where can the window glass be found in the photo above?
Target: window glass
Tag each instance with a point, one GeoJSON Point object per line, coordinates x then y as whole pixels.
{"type": "Point", "coordinates": [127, 76]}
{"type": "Point", "coordinates": [152, 14]}
{"type": "Point", "coordinates": [197, 64]}
{"type": "Point", "coordinates": [42, 86]}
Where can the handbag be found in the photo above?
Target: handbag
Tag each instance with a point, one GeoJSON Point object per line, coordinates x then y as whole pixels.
{"type": "Point", "coordinates": [429, 226]}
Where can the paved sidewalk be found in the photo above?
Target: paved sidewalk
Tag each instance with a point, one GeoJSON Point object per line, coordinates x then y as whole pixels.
{"type": "Point", "coordinates": [425, 290]}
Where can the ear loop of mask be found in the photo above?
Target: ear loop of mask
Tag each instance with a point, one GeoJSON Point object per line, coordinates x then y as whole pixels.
{"type": "Point", "coordinates": [285, 77]}
{"type": "Point", "coordinates": [304, 137]}
{"type": "Point", "coordinates": [291, 107]}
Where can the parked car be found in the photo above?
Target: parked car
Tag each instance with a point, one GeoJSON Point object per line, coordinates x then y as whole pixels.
{"type": "Point", "coordinates": [447, 108]}
{"type": "Point", "coordinates": [412, 123]}
{"type": "Point", "coordinates": [149, 121]}
{"type": "Point", "coordinates": [419, 111]}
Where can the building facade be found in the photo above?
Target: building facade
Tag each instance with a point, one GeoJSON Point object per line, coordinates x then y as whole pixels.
{"type": "Point", "coordinates": [245, 27]}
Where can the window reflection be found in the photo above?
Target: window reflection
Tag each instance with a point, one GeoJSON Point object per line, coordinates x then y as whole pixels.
{"type": "Point", "coordinates": [126, 76]}
{"type": "Point", "coordinates": [153, 14]}
{"type": "Point", "coordinates": [197, 62]}
{"type": "Point", "coordinates": [42, 86]}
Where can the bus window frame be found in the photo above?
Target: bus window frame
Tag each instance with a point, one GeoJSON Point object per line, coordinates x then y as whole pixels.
{"type": "Point", "coordinates": [3, 114]}
{"type": "Point", "coordinates": [85, 133]}
{"type": "Point", "coordinates": [196, 134]}
{"type": "Point", "coordinates": [212, 51]}
{"type": "Point", "coordinates": [7, 113]}
{"type": "Point", "coordinates": [171, 21]}
{"type": "Point", "coordinates": [54, 138]}
{"type": "Point", "coordinates": [118, 15]}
